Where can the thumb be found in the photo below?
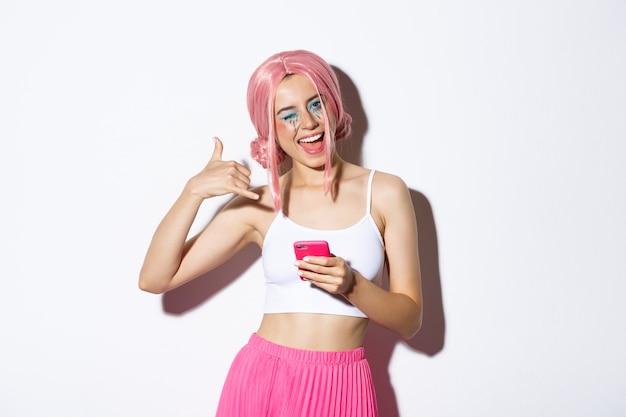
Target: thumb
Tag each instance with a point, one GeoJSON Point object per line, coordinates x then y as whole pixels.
{"type": "Point", "coordinates": [217, 150]}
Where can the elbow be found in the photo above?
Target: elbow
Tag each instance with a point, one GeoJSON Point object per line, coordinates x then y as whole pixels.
{"type": "Point", "coordinates": [409, 333]}
{"type": "Point", "coordinates": [414, 327]}
{"type": "Point", "coordinates": [147, 286]}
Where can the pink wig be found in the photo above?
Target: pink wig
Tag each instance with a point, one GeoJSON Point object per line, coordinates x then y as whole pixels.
{"type": "Point", "coordinates": [261, 96]}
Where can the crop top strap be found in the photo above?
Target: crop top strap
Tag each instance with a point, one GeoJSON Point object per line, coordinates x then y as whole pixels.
{"type": "Point", "coordinates": [368, 204]}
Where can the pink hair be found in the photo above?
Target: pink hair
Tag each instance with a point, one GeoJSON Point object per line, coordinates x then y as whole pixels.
{"type": "Point", "coordinates": [261, 96]}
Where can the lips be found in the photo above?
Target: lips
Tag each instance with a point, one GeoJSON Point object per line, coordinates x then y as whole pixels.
{"type": "Point", "coordinates": [312, 144]}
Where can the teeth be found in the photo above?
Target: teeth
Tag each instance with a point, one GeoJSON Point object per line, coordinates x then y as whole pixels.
{"type": "Point", "coordinates": [311, 139]}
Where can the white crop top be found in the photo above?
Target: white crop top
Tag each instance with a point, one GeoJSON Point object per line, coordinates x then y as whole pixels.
{"type": "Point", "coordinates": [361, 245]}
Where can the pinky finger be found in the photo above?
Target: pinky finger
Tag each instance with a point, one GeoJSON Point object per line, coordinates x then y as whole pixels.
{"type": "Point", "coordinates": [247, 193]}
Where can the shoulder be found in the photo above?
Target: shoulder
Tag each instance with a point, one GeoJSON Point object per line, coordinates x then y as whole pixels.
{"type": "Point", "coordinates": [386, 185]}
{"type": "Point", "coordinates": [244, 204]}
{"type": "Point", "coordinates": [254, 213]}
{"type": "Point", "coordinates": [391, 199]}
{"type": "Point", "coordinates": [252, 217]}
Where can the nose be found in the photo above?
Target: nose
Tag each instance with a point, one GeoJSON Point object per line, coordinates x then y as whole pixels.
{"type": "Point", "coordinates": [310, 120]}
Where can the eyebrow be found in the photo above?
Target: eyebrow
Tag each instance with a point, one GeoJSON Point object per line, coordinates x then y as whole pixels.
{"type": "Point", "coordinates": [293, 107]}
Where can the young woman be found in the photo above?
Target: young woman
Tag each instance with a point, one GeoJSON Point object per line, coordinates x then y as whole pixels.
{"type": "Point", "coordinates": [306, 358]}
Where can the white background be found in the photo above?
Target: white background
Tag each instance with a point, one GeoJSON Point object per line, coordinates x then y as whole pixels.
{"type": "Point", "coordinates": [506, 119]}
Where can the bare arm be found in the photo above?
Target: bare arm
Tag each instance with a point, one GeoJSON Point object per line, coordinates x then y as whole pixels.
{"type": "Point", "coordinates": [400, 308]}
{"type": "Point", "coordinates": [171, 260]}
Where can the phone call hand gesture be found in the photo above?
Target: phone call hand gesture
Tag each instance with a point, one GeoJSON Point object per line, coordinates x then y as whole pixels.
{"type": "Point", "coordinates": [220, 177]}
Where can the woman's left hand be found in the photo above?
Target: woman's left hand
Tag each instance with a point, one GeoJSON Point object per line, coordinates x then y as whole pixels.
{"type": "Point", "coordinates": [332, 274]}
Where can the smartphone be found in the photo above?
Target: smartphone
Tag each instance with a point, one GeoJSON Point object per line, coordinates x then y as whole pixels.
{"type": "Point", "coordinates": [303, 248]}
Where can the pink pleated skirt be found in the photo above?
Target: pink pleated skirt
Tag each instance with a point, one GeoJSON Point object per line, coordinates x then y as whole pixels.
{"type": "Point", "coordinates": [270, 380]}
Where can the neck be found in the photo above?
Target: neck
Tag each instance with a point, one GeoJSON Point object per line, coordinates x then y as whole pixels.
{"type": "Point", "coordinates": [302, 175]}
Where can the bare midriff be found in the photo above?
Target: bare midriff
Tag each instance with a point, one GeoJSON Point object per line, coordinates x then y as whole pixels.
{"type": "Point", "coordinates": [321, 332]}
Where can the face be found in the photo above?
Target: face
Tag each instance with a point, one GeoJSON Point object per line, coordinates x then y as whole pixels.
{"type": "Point", "coordinates": [299, 120]}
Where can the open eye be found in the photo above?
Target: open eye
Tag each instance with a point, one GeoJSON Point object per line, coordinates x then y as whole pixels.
{"type": "Point", "coordinates": [315, 105]}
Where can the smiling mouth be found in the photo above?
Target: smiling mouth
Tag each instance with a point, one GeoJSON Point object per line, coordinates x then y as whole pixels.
{"type": "Point", "coordinates": [313, 144]}
{"type": "Point", "coordinates": [311, 139]}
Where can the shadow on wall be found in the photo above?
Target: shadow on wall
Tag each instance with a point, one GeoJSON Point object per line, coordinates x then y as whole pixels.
{"type": "Point", "coordinates": [380, 343]}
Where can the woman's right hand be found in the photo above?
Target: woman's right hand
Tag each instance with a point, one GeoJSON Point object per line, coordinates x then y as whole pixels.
{"type": "Point", "coordinates": [163, 267]}
{"type": "Point", "coordinates": [220, 177]}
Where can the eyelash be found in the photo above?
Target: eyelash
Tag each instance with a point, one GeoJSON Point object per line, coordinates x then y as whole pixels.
{"type": "Point", "coordinates": [289, 117]}
{"type": "Point", "coordinates": [316, 106]}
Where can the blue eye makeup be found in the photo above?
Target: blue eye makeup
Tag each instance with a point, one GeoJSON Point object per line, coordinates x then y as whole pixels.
{"type": "Point", "coordinates": [315, 107]}
{"type": "Point", "coordinates": [291, 118]}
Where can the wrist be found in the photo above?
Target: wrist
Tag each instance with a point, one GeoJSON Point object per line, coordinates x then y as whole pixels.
{"type": "Point", "coordinates": [191, 196]}
{"type": "Point", "coordinates": [193, 190]}
{"type": "Point", "coordinates": [352, 287]}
